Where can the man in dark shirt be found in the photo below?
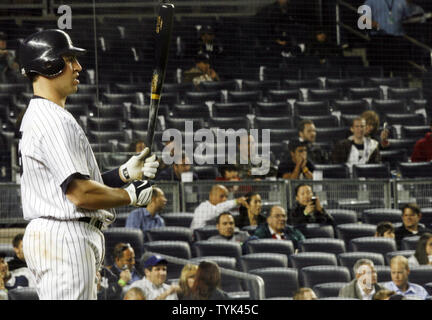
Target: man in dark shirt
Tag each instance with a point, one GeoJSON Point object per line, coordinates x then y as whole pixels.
{"type": "Point", "coordinates": [18, 261]}
{"type": "Point", "coordinates": [411, 215]}
{"type": "Point", "coordinates": [297, 165]}
{"type": "Point", "coordinates": [307, 133]}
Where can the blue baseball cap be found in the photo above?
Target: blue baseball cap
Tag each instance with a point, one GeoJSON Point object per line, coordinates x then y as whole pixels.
{"type": "Point", "coordinates": [153, 261]}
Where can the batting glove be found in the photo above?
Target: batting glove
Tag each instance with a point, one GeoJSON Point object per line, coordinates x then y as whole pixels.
{"type": "Point", "coordinates": [140, 192]}
{"type": "Point", "coordinates": [139, 167]}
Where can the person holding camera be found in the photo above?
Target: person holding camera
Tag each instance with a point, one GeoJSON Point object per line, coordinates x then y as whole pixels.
{"type": "Point", "coordinates": [308, 208]}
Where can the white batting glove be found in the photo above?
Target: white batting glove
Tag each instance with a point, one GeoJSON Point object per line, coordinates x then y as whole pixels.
{"type": "Point", "coordinates": [140, 193]}
{"type": "Point", "coordinates": [139, 167]}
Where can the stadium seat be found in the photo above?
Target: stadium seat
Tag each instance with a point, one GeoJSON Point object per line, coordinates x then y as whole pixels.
{"type": "Point", "coordinates": [117, 111]}
{"type": "Point", "coordinates": [393, 157]}
{"type": "Point", "coordinates": [383, 107]}
{"type": "Point", "coordinates": [306, 259]}
{"type": "Point", "coordinates": [405, 144]}
{"type": "Point", "coordinates": [350, 231]}
{"type": "Point", "coordinates": [96, 136]}
{"type": "Point", "coordinates": [405, 253]}
{"type": "Point", "coordinates": [321, 121]}
{"type": "Point", "coordinates": [324, 94]}
{"type": "Point", "coordinates": [141, 124]}
{"type": "Point", "coordinates": [104, 124]}
{"type": "Point", "coordinates": [23, 293]}
{"type": "Point", "coordinates": [179, 123]}
{"type": "Point", "coordinates": [263, 260]}
{"type": "Point", "coordinates": [140, 135]}
{"type": "Point", "coordinates": [415, 119]}
{"type": "Point", "coordinates": [333, 171]}
{"type": "Point", "coordinates": [190, 111]}
{"type": "Point", "coordinates": [120, 220]}
{"type": "Point", "coordinates": [193, 97]}
{"type": "Point", "coordinates": [414, 132]}
{"type": "Point", "coordinates": [297, 84]}
{"type": "Point", "coordinates": [377, 215]}
{"type": "Point", "coordinates": [348, 259]}
{"type": "Point", "coordinates": [217, 248]}
{"type": "Point", "coordinates": [229, 123]}
{"type": "Point", "coordinates": [119, 98]}
{"type": "Point", "coordinates": [271, 246]}
{"type": "Point", "coordinates": [312, 108]}
{"type": "Point", "coordinates": [283, 95]}
{"type": "Point", "coordinates": [428, 287]}
{"type": "Point", "coordinates": [373, 244]}
{"type": "Point", "coordinates": [7, 250]}
{"type": "Point", "coordinates": [383, 273]}
{"type": "Point", "coordinates": [169, 233]}
{"type": "Point", "coordinates": [329, 289]}
{"type": "Point", "coordinates": [420, 274]}
{"type": "Point", "coordinates": [364, 93]}
{"type": "Point", "coordinates": [372, 171]}
{"type": "Point", "coordinates": [356, 107]}
{"type": "Point", "coordinates": [244, 96]}
{"type": "Point", "coordinates": [395, 82]}
{"type": "Point", "coordinates": [78, 110]}
{"type": "Point", "coordinates": [261, 85]}
{"type": "Point", "coordinates": [14, 88]}
{"type": "Point", "coordinates": [315, 230]}
{"type": "Point", "coordinates": [409, 243]}
{"type": "Point", "coordinates": [342, 216]}
{"type": "Point", "coordinates": [314, 275]}
{"type": "Point", "coordinates": [331, 135]}
{"type": "Point", "coordinates": [178, 88]}
{"type": "Point", "coordinates": [130, 87]}
{"type": "Point", "coordinates": [206, 172]}
{"type": "Point", "coordinates": [174, 248]}
{"type": "Point", "coordinates": [177, 219]}
{"type": "Point", "coordinates": [114, 236]}
{"type": "Point", "coordinates": [404, 93]}
{"type": "Point", "coordinates": [81, 98]}
{"type": "Point", "coordinates": [230, 85]}
{"type": "Point", "coordinates": [343, 83]}
{"type": "Point", "coordinates": [415, 169]}
{"type": "Point", "coordinates": [328, 245]}
{"type": "Point", "coordinates": [273, 122]}
{"type": "Point", "coordinates": [273, 109]}
{"type": "Point", "coordinates": [142, 111]}
{"type": "Point", "coordinates": [278, 282]}
{"type": "Point", "coordinates": [427, 216]}
{"type": "Point", "coordinates": [364, 72]}
{"type": "Point", "coordinates": [231, 109]}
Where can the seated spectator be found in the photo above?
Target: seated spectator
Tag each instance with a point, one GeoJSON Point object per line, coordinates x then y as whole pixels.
{"type": "Point", "coordinates": [250, 214]}
{"type": "Point", "coordinates": [8, 66]}
{"type": "Point", "coordinates": [226, 229]}
{"type": "Point", "coordinates": [229, 172]}
{"type": "Point", "coordinates": [423, 253]}
{"type": "Point", "coordinates": [202, 71]}
{"type": "Point", "coordinates": [18, 260]}
{"type": "Point", "coordinates": [148, 218]}
{"type": "Point", "coordinates": [383, 294]}
{"type": "Point", "coordinates": [365, 284]}
{"type": "Point", "coordinates": [411, 216]}
{"type": "Point", "coordinates": [308, 208]}
{"type": "Point", "coordinates": [217, 203]}
{"type": "Point", "coordinates": [175, 171]}
{"type": "Point", "coordinates": [372, 129]}
{"type": "Point", "coordinates": [423, 148]}
{"type": "Point", "coordinates": [134, 294]}
{"type": "Point", "coordinates": [305, 294]}
{"type": "Point", "coordinates": [322, 47]}
{"type": "Point", "coordinates": [399, 274]}
{"type": "Point", "coordinates": [209, 44]}
{"type": "Point", "coordinates": [108, 285]}
{"type": "Point", "coordinates": [207, 283]}
{"type": "Point", "coordinates": [186, 281]}
{"type": "Point", "coordinates": [307, 133]}
{"type": "Point", "coordinates": [357, 149]}
{"type": "Point", "coordinates": [124, 265]}
{"type": "Point", "coordinates": [153, 284]}
{"type": "Point", "coordinates": [297, 165]}
{"type": "Point", "coordinates": [276, 227]}
{"type": "Point", "coordinates": [12, 280]}
{"type": "Point", "coordinates": [385, 229]}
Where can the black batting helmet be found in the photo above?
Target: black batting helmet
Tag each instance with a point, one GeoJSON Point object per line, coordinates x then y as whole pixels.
{"type": "Point", "coordinates": [41, 52]}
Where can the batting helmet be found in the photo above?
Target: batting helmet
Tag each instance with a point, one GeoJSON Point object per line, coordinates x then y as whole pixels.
{"type": "Point", "coordinates": [42, 52]}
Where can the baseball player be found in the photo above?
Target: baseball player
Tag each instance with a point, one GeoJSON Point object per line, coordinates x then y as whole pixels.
{"type": "Point", "coordinates": [64, 195]}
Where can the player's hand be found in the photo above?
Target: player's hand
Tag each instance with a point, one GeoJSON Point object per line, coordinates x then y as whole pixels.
{"type": "Point", "coordinates": [139, 167]}
{"type": "Point", "coordinates": [140, 192]}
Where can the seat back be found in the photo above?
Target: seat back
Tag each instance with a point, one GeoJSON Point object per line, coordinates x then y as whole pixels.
{"type": "Point", "coordinates": [330, 289]}
{"type": "Point", "coordinates": [328, 245]}
{"type": "Point", "coordinates": [170, 233]}
{"type": "Point", "coordinates": [278, 282]}
{"type": "Point", "coordinates": [263, 260]}
{"type": "Point", "coordinates": [377, 215]}
{"type": "Point", "coordinates": [372, 171]}
{"type": "Point", "coordinates": [270, 245]}
{"type": "Point", "coordinates": [178, 219]}
{"type": "Point", "coordinates": [25, 293]}
{"type": "Point", "coordinates": [373, 244]}
{"type": "Point", "coordinates": [314, 275]}
{"type": "Point", "coordinates": [343, 216]}
{"type": "Point", "coordinates": [116, 235]}
{"type": "Point", "coordinates": [348, 259]}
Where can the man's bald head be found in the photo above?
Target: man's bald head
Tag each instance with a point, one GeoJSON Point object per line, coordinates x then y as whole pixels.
{"type": "Point", "coordinates": [218, 194]}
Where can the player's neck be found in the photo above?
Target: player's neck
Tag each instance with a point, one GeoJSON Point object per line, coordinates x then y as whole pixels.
{"type": "Point", "coordinates": [42, 90]}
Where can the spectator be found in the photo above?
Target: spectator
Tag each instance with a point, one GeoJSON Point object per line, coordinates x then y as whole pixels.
{"type": "Point", "coordinates": [148, 218]}
{"type": "Point", "coordinates": [250, 214]}
{"type": "Point", "coordinates": [305, 294]}
{"type": "Point", "coordinates": [357, 149]}
{"type": "Point", "coordinates": [207, 283]}
{"type": "Point", "coordinates": [8, 66]}
{"type": "Point", "coordinates": [385, 229]}
{"type": "Point", "coordinates": [411, 216]}
{"type": "Point", "coordinates": [153, 284]}
{"type": "Point", "coordinates": [186, 281]}
{"type": "Point", "coordinates": [423, 253]}
{"type": "Point", "coordinates": [383, 294]}
{"type": "Point", "coordinates": [13, 280]}
{"type": "Point", "coordinates": [175, 171]}
{"type": "Point", "coordinates": [202, 71]}
{"type": "Point", "coordinates": [134, 294]}
{"type": "Point", "coordinates": [423, 148]}
{"type": "Point", "coordinates": [399, 274]}
{"type": "Point", "coordinates": [3, 277]}
{"type": "Point", "coordinates": [372, 129]}
{"type": "Point", "coordinates": [277, 228]}
{"type": "Point", "coordinates": [365, 284]}
{"type": "Point", "coordinates": [217, 203]}
{"type": "Point", "coordinates": [229, 172]}
{"type": "Point", "coordinates": [18, 261]}
{"type": "Point", "coordinates": [124, 265]}
{"type": "Point", "coordinates": [308, 208]}
{"type": "Point", "coordinates": [108, 285]}
{"type": "Point", "coordinates": [209, 44]}
{"type": "Point", "coordinates": [226, 229]}
{"type": "Point", "coordinates": [297, 166]}
{"type": "Point", "coordinates": [386, 35]}
{"type": "Point", "coordinates": [322, 48]}
{"type": "Point", "coordinates": [307, 133]}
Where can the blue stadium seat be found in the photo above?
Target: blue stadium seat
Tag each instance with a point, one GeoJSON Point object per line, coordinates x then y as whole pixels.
{"type": "Point", "coordinates": [315, 230]}
{"type": "Point", "coordinates": [415, 169]}
{"type": "Point", "coordinates": [372, 171]}
{"type": "Point", "coordinates": [350, 231]}
{"type": "Point", "coordinates": [307, 259]}
{"type": "Point", "coordinates": [405, 253]}
{"type": "Point", "coordinates": [263, 260]}
{"type": "Point", "coordinates": [314, 275]}
{"type": "Point", "coordinates": [377, 215]}
{"type": "Point", "coordinates": [329, 289]}
{"type": "Point", "coordinates": [177, 219]}
{"type": "Point", "coordinates": [169, 233]}
{"type": "Point", "coordinates": [278, 282]}
{"type": "Point", "coordinates": [409, 243]}
{"type": "Point", "coordinates": [270, 245]}
{"type": "Point", "coordinates": [373, 244]}
{"type": "Point", "coordinates": [342, 216]}
{"type": "Point", "coordinates": [328, 245]}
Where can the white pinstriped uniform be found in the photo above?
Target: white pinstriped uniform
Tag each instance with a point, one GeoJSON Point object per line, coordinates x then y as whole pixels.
{"type": "Point", "coordinates": [62, 253]}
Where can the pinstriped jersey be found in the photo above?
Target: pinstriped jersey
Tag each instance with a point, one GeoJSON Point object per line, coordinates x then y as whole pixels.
{"type": "Point", "coordinates": [53, 147]}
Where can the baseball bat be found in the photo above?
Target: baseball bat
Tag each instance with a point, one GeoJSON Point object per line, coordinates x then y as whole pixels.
{"type": "Point", "coordinates": [162, 35]}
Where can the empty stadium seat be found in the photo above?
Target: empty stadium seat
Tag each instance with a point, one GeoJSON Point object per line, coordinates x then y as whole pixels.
{"type": "Point", "coordinates": [415, 119]}
{"type": "Point", "coordinates": [372, 171]}
{"type": "Point", "coordinates": [312, 108]}
{"type": "Point", "coordinates": [176, 248]}
{"type": "Point", "coordinates": [415, 169]}
{"type": "Point", "coordinates": [385, 81]}
{"type": "Point", "coordinates": [120, 220]}
{"type": "Point", "coordinates": [328, 245]}
{"type": "Point", "coordinates": [343, 83]}
{"type": "Point", "coordinates": [283, 95]}
{"type": "Point", "coordinates": [7, 250]}
{"type": "Point", "coordinates": [315, 230]}
{"type": "Point", "coordinates": [329, 289]}
{"type": "Point", "coordinates": [270, 245]}
{"type": "Point", "coordinates": [383, 107]}
{"type": "Point", "coordinates": [314, 275]}
{"type": "Point", "coordinates": [190, 111]}
{"type": "Point", "coordinates": [244, 96]}
{"type": "Point", "coordinates": [117, 111]}
{"type": "Point", "coordinates": [231, 109]}
{"type": "Point", "coordinates": [193, 97]}
{"type": "Point", "coordinates": [263, 260]}
{"type": "Point", "coordinates": [331, 135]}
{"type": "Point", "coordinates": [217, 248]}
{"type": "Point", "coordinates": [170, 233]}
{"type": "Point", "coordinates": [409, 243]}
{"type": "Point", "coordinates": [348, 259]}
{"type": "Point", "coordinates": [278, 282]}
{"type": "Point", "coordinates": [262, 85]}
{"type": "Point", "coordinates": [82, 98]}
{"type": "Point", "coordinates": [206, 172]}
{"type": "Point", "coordinates": [377, 215]}
{"type": "Point", "coordinates": [373, 244]}
{"type": "Point", "coordinates": [229, 123]}
{"type": "Point", "coordinates": [78, 110]}
{"type": "Point", "coordinates": [114, 236]}
{"type": "Point", "coordinates": [333, 171]}
{"type": "Point", "coordinates": [342, 216]}
{"type": "Point", "coordinates": [273, 122]}
{"type": "Point", "coordinates": [142, 111]}
{"type": "Point", "coordinates": [25, 293]}
{"type": "Point", "coordinates": [405, 253]}
{"type": "Point", "coordinates": [356, 107]}
{"type": "Point", "coordinates": [297, 84]}
{"type": "Point", "coordinates": [354, 230]}
{"type": "Point", "coordinates": [324, 94]}
{"type": "Point", "coordinates": [273, 109]}
{"type": "Point", "coordinates": [131, 87]}
{"type": "Point", "coordinates": [414, 132]}
{"type": "Point", "coordinates": [393, 157]}
{"type": "Point", "coordinates": [179, 123]}
{"type": "Point", "coordinates": [427, 216]}
{"type": "Point", "coordinates": [119, 98]}
{"type": "Point", "coordinates": [104, 124]}
{"type": "Point", "coordinates": [306, 259]}
{"type": "Point", "coordinates": [364, 93]}
{"type": "Point", "coordinates": [404, 93]}
{"type": "Point", "coordinates": [178, 219]}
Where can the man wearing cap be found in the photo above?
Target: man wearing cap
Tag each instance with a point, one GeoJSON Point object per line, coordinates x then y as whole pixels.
{"type": "Point", "coordinates": [153, 284]}
{"type": "Point", "coordinates": [201, 72]}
